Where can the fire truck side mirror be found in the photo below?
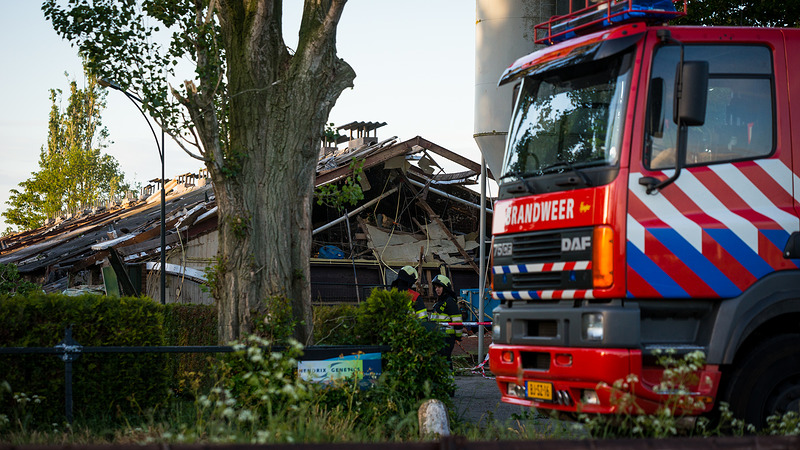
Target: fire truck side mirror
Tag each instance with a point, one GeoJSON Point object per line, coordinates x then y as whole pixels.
{"type": "Point", "coordinates": [792, 249]}
{"type": "Point", "coordinates": [691, 88]}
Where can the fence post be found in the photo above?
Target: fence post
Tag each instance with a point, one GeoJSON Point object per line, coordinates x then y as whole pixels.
{"type": "Point", "coordinates": [71, 351]}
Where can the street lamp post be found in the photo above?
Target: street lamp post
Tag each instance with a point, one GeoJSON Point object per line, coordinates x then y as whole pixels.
{"type": "Point", "coordinates": [138, 102]}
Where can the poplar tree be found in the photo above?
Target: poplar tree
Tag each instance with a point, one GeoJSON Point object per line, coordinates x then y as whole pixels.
{"type": "Point", "coordinates": [73, 172]}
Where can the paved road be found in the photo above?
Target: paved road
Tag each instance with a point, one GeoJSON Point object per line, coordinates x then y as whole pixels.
{"type": "Point", "coordinates": [477, 399]}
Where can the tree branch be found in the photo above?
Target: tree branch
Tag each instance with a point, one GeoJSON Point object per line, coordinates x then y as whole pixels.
{"type": "Point", "coordinates": [328, 30]}
{"type": "Point", "coordinates": [205, 119]}
{"type": "Point", "coordinates": [321, 30]}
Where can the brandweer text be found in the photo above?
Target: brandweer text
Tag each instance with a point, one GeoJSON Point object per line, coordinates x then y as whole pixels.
{"type": "Point", "coordinates": [541, 211]}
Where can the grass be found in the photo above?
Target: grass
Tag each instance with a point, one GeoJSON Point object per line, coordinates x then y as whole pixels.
{"type": "Point", "coordinates": [257, 399]}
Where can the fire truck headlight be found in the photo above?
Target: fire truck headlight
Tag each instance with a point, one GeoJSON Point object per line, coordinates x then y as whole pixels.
{"type": "Point", "coordinates": [589, 397]}
{"type": "Point", "coordinates": [592, 326]}
{"type": "Point", "coordinates": [515, 390]}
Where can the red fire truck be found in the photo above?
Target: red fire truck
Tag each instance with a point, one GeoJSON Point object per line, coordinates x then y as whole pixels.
{"type": "Point", "coordinates": [649, 201]}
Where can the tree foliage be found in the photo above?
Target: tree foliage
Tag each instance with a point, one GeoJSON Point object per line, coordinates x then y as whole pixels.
{"type": "Point", "coordinates": [73, 172]}
{"type": "Point", "coordinates": [254, 111]}
{"type": "Point", "coordinates": [348, 192]}
{"type": "Point", "coordinates": [12, 283]}
{"type": "Point", "coordinates": [755, 13]}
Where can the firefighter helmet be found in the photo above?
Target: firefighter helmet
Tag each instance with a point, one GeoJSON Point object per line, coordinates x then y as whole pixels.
{"type": "Point", "coordinates": [406, 277]}
{"type": "Point", "coordinates": [408, 273]}
{"type": "Point", "coordinates": [443, 281]}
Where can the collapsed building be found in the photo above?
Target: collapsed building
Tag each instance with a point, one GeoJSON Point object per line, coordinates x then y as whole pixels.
{"type": "Point", "coordinates": [413, 212]}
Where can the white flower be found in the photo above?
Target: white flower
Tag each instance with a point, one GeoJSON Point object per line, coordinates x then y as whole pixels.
{"type": "Point", "coordinates": [262, 436]}
{"type": "Point", "coordinates": [245, 415]}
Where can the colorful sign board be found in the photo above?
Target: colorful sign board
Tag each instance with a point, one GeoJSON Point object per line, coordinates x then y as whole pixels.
{"type": "Point", "coordinates": [366, 367]}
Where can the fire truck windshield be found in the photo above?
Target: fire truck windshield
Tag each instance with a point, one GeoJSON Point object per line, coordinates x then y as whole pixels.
{"type": "Point", "coordinates": [568, 119]}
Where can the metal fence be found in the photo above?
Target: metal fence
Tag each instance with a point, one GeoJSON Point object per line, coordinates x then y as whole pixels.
{"type": "Point", "coordinates": [68, 350]}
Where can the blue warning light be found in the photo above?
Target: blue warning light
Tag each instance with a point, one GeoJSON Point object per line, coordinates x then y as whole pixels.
{"type": "Point", "coordinates": [599, 14]}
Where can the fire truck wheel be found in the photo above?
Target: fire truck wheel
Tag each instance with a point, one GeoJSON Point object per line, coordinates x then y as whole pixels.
{"type": "Point", "coordinates": [766, 381]}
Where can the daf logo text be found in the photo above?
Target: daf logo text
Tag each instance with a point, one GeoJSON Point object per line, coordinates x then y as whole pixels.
{"type": "Point", "coordinates": [576, 244]}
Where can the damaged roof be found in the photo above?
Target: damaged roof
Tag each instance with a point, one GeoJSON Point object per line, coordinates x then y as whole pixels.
{"type": "Point", "coordinates": [132, 229]}
{"type": "Point", "coordinates": [73, 243]}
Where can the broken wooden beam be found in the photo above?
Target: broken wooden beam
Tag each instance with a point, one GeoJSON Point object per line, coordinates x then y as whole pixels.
{"type": "Point", "coordinates": [435, 217]}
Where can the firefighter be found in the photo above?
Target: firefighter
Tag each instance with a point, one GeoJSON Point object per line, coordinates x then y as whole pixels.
{"type": "Point", "coordinates": [406, 278]}
{"type": "Point", "coordinates": [444, 312]}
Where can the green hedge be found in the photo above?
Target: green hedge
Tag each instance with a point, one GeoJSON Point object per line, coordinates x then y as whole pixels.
{"type": "Point", "coordinates": [103, 383]}
{"type": "Point", "coordinates": [335, 325]}
{"type": "Point", "coordinates": [190, 325]}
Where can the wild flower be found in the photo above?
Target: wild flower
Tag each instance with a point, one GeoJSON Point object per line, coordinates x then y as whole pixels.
{"type": "Point", "coordinates": [678, 376]}
{"type": "Point", "coordinates": [245, 415]}
{"type": "Point", "coordinates": [262, 436]}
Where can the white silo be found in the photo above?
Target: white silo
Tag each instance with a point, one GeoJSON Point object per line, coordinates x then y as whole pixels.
{"type": "Point", "coordinates": [504, 31]}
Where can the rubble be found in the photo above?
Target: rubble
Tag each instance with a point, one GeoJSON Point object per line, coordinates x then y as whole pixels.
{"type": "Point", "coordinates": [412, 213]}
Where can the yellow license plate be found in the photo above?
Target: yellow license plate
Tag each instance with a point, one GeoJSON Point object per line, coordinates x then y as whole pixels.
{"type": "Point", "coordinates": [539, 390]}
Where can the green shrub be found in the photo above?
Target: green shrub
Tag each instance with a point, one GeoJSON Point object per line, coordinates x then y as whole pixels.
{"type": "Point", "coordinates": [258, 396]}
{"type": "Point", "coordinates": [413, 370]}
{"type": "Point", "coordinates": [11, 282]}
{"type": "Point", "coordinates": [264, 380]}
{"type": "Point", "coordinates": [276, 322]}
{"type": "Point", "coordinates": [253, 395]}
{"type": "Point", "coordinates": [194, 325]}
{"type": "Point", "coordinates": [335, 325]}
{"type": "Point", "coordinates": [102, 383]}
{"type": "Point", "coordinates": [678, 378]}
{"type": "Point", "coordinates": [679, 375]}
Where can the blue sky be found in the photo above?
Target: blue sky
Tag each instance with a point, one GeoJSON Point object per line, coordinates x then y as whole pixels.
{"type": "Point", "coordinates": [414, 61]}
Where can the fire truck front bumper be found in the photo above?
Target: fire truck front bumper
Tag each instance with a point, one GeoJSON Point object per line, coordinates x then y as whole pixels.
{"type": "Point", "coordinates": [588, 380]}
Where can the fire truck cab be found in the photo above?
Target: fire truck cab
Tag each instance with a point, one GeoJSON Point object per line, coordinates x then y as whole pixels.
{"type": "Point", "coordinates": [649, 201]}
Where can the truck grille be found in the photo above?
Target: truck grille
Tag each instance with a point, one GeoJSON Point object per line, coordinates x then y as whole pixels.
{"type": "Point", "coordinates": [518, 259]}
{"type": "Point", "coordinates": [532, 248]}
{"type": "Point", "coordinates": [536, 281]}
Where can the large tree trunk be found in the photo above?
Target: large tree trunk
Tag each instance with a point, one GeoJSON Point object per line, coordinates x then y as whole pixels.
{"type": "Point", "coordinates": [258, 129]}
{"type": "Point", "coordinates": [279, 104]}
